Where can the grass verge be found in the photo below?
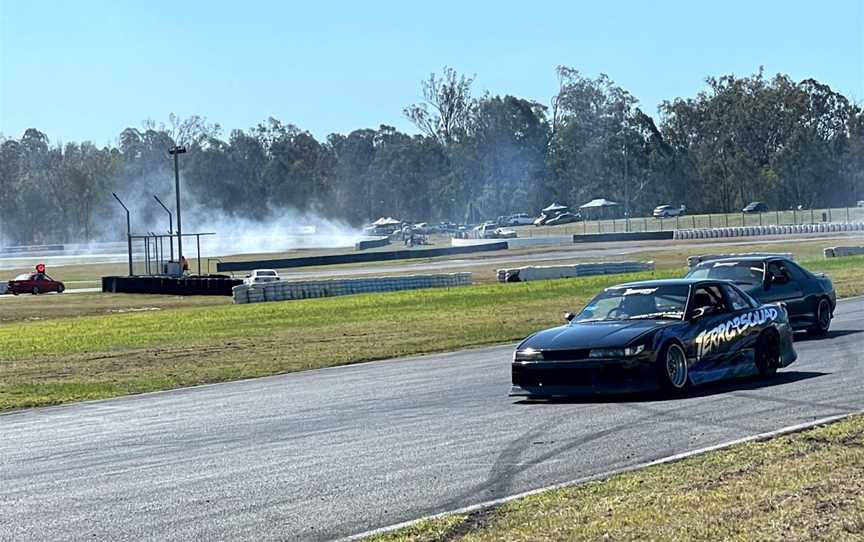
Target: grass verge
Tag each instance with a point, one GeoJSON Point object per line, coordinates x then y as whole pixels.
{"type": "Point", "coordinates": [105, 355]}
{"type": "Point", "coordinates": [805, 486]}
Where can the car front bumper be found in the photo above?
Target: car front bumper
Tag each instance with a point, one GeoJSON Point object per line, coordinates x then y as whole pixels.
{"type": "Point", "coordinates": [568, 378]}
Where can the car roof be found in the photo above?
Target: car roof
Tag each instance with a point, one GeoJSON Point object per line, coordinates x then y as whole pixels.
{"type": "Point", "coordinates": [667, 282]}
{"type": "Point", "coordinates": [745, 259]}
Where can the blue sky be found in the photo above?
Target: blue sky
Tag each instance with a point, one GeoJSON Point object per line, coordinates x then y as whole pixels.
{"type": "Point", "coordinates": [85, 70]}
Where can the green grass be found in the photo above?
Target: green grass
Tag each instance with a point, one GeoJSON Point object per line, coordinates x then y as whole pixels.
{"type": "Point", "coordinates": [105, 355]}
{"type": "Point", "coordinates": [806, 486]}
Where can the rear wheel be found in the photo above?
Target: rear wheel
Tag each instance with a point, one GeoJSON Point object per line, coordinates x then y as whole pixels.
{"type": "Point", "coordinates": [35, 290]}
{"type": "Point", "coordinates": [767, 355]}
{"type": "Point", "coordinates": [823, 318]}
{"type": "Point", "coordinates": [672, 370]}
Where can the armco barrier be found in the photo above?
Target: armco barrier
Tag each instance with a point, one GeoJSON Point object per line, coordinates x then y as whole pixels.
{"type": "Point", "coordinates": [841, 252]}
{"type": "Point", "coordinates": [372, 243]}
{"type": "Point", "coordinates": [695, 260]}
{"type": "Point", "coordinates": [529, 273]}
{"type": "Point", "coordinates": [362, 257]}
{"type": "Point", "coordinates": [749, 231]}
{"type": "Point", "coordinates": [207, 285]}
{"type": "Point", "coordinates": [629, 236]}
{"type": "Point", "coordinates": [287, 290]}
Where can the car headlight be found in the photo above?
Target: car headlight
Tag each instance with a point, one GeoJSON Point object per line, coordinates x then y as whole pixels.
{"type": "Point", "coordinates": [529, 354]}
{"type": "Point", "coordinates": [627, 352]}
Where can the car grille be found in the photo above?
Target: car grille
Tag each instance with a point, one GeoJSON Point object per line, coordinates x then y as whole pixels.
{"type": "Point", "coordinates": [552, 377]}
{"type": "Point", "coordinates": [565, 355]}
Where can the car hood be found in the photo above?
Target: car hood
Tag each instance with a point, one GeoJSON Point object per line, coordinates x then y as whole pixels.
{"type": "Point", "coordinates": [593, 334]}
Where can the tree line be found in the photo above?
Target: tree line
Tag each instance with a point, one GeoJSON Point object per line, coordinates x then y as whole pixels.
{"type": "Point", "coordinates": [748, 138]}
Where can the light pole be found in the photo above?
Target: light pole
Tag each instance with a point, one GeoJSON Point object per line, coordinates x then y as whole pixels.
{"type": "Point", "coordinates": [170, 228]}
{"type": "Point", "coordinates": [128, 231]}
{"type": "Point", "coordinates": [176, 151]}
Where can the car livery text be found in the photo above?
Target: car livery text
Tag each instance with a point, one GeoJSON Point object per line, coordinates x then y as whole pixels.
{"type": "Point", "coordinates": [732, 329]}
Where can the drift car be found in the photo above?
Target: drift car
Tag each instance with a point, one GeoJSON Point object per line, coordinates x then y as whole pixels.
{"type": "Point", "coordinates": [809, 297]}
{"type": "Point", "coordinates": [664, 334]}
{"type": "Point", "coordinates": [35, 283]}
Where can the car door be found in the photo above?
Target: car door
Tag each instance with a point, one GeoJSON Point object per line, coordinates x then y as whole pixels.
{"type": "Point", "coordinates": [779, 285]}
{"type": "Point", "coordinates": [713, 358]}
{"type": "Point", "coordinates": [742, 337]}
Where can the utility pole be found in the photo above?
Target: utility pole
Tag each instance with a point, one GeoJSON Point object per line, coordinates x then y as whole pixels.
{"type": "Point", "coordinates": [176, 151]}
{"type": "Point", "coordinates": [128, 231]}
{"type": "Point", "coordinates": [170, 228]}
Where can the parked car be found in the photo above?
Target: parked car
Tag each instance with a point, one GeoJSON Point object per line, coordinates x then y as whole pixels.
{"type": "Point", "coordinates": [260, 276]}
{"type": "Point", "coordinates": [519, 219]}
{"type": "Point", "coordinates": [668, 211]}
{"type": "Point", "coordinates": [860, 203]}
{"type": "Point", "coordinates": [755, 207]}
{"type": "Point", "coordinates": [35, 283]}
{"type": "Point", "coordinates": [563, 218]}
{"type": "Point", "coordinates": [809, 297]}
{"type": "Point", "coordinates": [667, 334]}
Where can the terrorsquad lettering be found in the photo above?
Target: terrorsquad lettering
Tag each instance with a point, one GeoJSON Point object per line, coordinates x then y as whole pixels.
{"type": "Point", "coordinates": [732, 329]}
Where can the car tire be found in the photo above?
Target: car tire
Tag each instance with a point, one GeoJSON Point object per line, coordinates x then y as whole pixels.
{"type": "Point", "coordinates": [767, 353]}
{"type": "Point", "coordinates": [673, 375]}
{"type": "Point", "coordinates": [823, 318]}
{"type": "Point", "coordinates": [35, 290]}
{"type": "Point", "coordinates": [61, 289]}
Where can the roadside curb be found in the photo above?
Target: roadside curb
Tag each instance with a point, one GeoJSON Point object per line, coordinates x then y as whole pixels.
{"type": "Point", "coordinates": [760, 437]}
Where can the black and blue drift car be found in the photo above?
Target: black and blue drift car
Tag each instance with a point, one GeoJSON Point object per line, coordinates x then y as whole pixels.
{"type": "Point", "coordinates": [666, 334]}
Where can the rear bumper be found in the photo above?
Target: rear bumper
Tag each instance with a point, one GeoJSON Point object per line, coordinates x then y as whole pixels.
{"type": "Point", "coordinates": [561, 379]}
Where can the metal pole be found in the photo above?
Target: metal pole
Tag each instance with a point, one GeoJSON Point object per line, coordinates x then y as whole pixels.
{"type": "Point", "coordinates": [198, 241]}
{"type": "Point", "coordinates": [177, 151]}
{"type": "Point", "coordinates": [170, 227]}
{"type": "Point", "coordinates": [128, 231]}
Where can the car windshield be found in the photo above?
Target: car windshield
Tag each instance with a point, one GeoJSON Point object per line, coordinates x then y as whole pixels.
{"type": "Point", "coordinates": [749, 273]}
{"type": "Point", "coordinates": [23, 277]}
{"type": "Point", "coordinates": [664, 301]}
{"type": "Point", "coordinates": [266, 273]}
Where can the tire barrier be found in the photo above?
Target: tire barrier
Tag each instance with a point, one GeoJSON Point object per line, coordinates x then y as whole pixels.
{"type": "Point", "coordinates": [529, 273]}
{"type": "Point", "coordinates": [372, 243]}
{"type": "Point", "coordinates": [362, 257]}
{"type": "Point", "coordinates": [288, 290]}
{"type": "Point", "coordinates": [629, 236]}
{"type": "Point", "coordinates": [748, 231]}
{"type": "Point", "coordinates": [841, 252]}
{"type": "Point", "coordinates": [205, 285]}
{"type": "Point", "coordinates": [695, 260]}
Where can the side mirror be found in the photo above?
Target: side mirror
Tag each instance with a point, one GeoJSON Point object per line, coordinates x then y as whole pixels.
{"type": "Point", "coordinates": [698, 312]}
{"type": "Point", "coordinates": [569, 316]}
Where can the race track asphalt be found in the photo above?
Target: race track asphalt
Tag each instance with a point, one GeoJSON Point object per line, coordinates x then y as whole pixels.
{"type": "Point", "coordinates": [329, 453]}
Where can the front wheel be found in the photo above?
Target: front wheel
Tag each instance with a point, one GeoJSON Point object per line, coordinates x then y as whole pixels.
{"type": "Point", "coordinates": [35, 290]}
{"type": "Point", "coordinates": [823, 318]}
{"type": "Point", "coordinates": [60, 289]}
{"type": "Point", "coordinates": [672, 371]}
{"type": "Point", "coordinates": [767, 355]}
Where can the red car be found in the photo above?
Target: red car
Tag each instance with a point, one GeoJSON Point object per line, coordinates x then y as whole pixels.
{"type": "Point", "coordinates": [35, 283]}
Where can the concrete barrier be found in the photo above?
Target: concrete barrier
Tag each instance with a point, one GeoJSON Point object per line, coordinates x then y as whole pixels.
{"type": "Point", "coordinates": [548, 272]}
{"type": "Point", "coordinates": [841, 252]}
{"type": "Point", "coordinates": [287, 290]}
{"type": "Point", "coordinates": [696, 260]}
{"type": "Point", "coordinates": [785, 229]}
{"type": "Point", "coordinates": [519, 242]}
{"type": "Point", "coordinates": [191, 285]}
{"type": "Point", "coordinates": [628, 236]}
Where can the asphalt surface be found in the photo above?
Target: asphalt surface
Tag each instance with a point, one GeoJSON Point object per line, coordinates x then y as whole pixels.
{"type": "Point", "coordinates": [328, 453]}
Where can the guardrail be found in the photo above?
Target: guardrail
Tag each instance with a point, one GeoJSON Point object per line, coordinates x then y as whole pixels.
{"type": "Point", "coordinates": [841, 252]}
{"type": "Point", "coordinates": [548, 272]}
{"type": "Point", "coordinates": [750, 231]}
{"type": "Point", "coordinates": [363, 257]}
{"type": "Point", "coordinates": [630, 236]}
{"type": "Point", "coordinates": [289, 290]}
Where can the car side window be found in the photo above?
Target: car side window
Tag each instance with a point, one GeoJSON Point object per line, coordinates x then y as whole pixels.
{"type": "Point", "coordinates": [709, 298]}
{"type": "Point", "coordinates": [795, 271]}
{"type": "Point", "coordinates": [738, 302]}
{"type": "Point", "coordinates": [779, 273]}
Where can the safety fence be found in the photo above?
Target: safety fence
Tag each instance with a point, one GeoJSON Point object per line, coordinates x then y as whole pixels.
{"type": "Point", "coordinates": [840, 252]}
{"type": "Point", "coordinates": [288, 290]}
{"type": "Point", "coordinates": [548, 272]}
{"type": "Point", "coordinates": [696, 260]}
{"type": "Point", "coordinates": [751, 231]}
